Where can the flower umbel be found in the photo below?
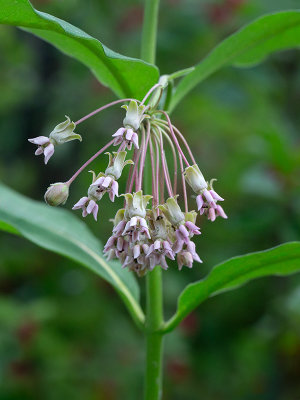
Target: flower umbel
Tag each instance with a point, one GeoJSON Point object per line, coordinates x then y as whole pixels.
{"type": "Point", "coordinates": [150, 229]}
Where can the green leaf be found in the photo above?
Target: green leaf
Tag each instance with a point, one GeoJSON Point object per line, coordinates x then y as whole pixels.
{"type": "Point", "coordinates": [235, 272]}
{"type": "Point", "coordinates": [127, 77]}
{"type": "Point", "coordinates": [60, 231]}
{"type": "Point", "coordinates": [246, 47]}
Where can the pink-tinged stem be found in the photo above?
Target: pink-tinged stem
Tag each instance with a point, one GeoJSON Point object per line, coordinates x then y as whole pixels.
{"type": "Point", "coordinates": [157, 174]}
{"type": "Point", "coordinates": [181, 137]}
{"type": "Point", "coordinates": [138, 184]}
{"type": "Point", "coordinates": [133, 177]}
{"type": "Point", "coordinates": [143, 156]}
{"type": "Point", "coordinates": [154, 178]}
{"type": "Point", "coordinates": [131, 170]}
{"type": "Point", "coordinates": [89, 161]}
{"type": "Point", "coordinates": [149, 92]}
{"type": "Point", "coordinates": [122, 147]}
{"type": "Point", "coordinates": [101, 109]}
{"type": "Point", "coordinates": [174, 158]}
{"type": "Point", "coordinates": [164, 166]}
{"type": "Point", "coordinates": [175, 138]}
{"type": "Point", "coordinates": [183, 185]}
{"type": "Point", "coordinates": [168, 173]}
{"type": "Point", "coordinates": [160, 182]}
{"type": "Point", "coordinates": [185, 143]}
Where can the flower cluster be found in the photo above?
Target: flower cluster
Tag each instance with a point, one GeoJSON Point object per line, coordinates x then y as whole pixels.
{"type": "Point", "coordinates": [151, 228]}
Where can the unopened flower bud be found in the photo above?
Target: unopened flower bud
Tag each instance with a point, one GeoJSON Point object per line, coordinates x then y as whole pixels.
{"type": "Point", "coordinates": [195, 179]}
{"type": "Point", "coordinates": [64, 132]}
{"type": "Point", "coordinates": [57, 194]}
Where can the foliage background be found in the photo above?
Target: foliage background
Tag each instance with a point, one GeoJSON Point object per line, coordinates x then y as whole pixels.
{"type": "Point", "coordinates": [63, 332]}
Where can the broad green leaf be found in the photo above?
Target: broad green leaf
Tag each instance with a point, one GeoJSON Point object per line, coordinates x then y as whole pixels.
{"type": "Point", "coordinates": [246, 47]}
{"type": "Point", "coordinates": [61, 231]}
{"type": "Point", "coordinates": [281, 260]}
{"type": "Point", "coordinates": [127, 77]}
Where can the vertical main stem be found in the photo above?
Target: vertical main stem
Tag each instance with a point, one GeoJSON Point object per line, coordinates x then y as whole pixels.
{"type": "Point", "coordinates": [148, 48]}
{"type": "Point", "coordinates": [154, 299]}
{"type": "Point", "coordinates": [154, 340]}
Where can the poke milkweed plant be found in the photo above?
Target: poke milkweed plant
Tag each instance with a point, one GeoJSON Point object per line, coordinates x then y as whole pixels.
{"type": "Point", "coordinates": [156, 222]}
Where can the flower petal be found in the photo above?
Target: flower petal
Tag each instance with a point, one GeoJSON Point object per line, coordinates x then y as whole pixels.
{"type": "Point", "coordinates": [119, 132]}
{"type": "Point", "coordinates": [48, 152]}
{"type": "Point", "coordinates": [39, 140]}
{"type": "Point", "coordinates": [80, 203]}
{"type": "Point", "coordinates": [95, 211]}
{"type": "Point", "coordinates": [215, 195]}
{"type": "Point", "coordinates": [199, 201]}
{"type": "Point", "coordinates": [90, 206]}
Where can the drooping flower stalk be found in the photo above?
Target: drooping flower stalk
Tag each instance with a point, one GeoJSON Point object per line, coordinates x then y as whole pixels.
{"type": "Point", "coordinates": [149, 229]}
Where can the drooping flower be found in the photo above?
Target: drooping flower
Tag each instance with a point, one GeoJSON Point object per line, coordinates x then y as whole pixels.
{"type": "Point", "coordinates": [135, 114]}
{"type": "Point", "coordinates": [127, 136]}
{"type": "Point", "coordinates": [88, 206]}
{"type": "Point", "coordinates": [187, 258]}
{"type": "Point", "coordinates": [136, 259]}
{"type": "Point", "coordinates": [88, 203]}
{"type": "Point", "coordinates": [137, 229]}
{"type": "Point", "coordinates": [207, 198]}
{"type": "Point", "coordinates": [62, 133]}
{"type": "Point", "coordinates": [158, 251]}
{"type": "Point", "coordinates": [107, 181]}
{"type": "Point", "coordinates": [44, 147]}
{"type": "Point", "coordinates": [116, 247]}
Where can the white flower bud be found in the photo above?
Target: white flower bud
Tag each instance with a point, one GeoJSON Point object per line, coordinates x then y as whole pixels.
{"type": "Point", "coordinates": [57, 194]}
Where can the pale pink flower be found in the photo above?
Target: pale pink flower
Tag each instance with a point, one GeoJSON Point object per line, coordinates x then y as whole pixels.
{"type": "Point", "coordinates": [107, 184]}
{"type": "Point", "coordinates": [127, 136]}
{"type": "Point", "coordinates": [44, 147]}
{"type": "Point", "coordinates": [187, 256]}
{"type": "Point", "coordinates": [88, 206]}
{"type": "Point", "coordinates": [116, 247]}
{"type": "Point", "coordinates": [137, 228]}
{"type": "Point", "coordinates": [183, 235]}
{"type": "Point", "coordinates": [119, 228]}
{"type": "Point", "coordinates": [158, 251]}
{"type": "Point", "coordinates": [207, 204]}
{"type": "Point", "coordinates": [136, 259]}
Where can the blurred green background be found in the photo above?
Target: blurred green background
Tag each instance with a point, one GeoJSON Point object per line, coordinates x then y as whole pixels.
{"type": "Point", "coordinates": [64, 333]}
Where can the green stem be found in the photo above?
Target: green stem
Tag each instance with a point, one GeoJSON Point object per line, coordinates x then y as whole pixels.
{"type": "Point", "coordinates": [154, 338]}
{"type": "Point", "coordinates": [154, 300]}
{"type": "Point", "coordinates": [148, 48]}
